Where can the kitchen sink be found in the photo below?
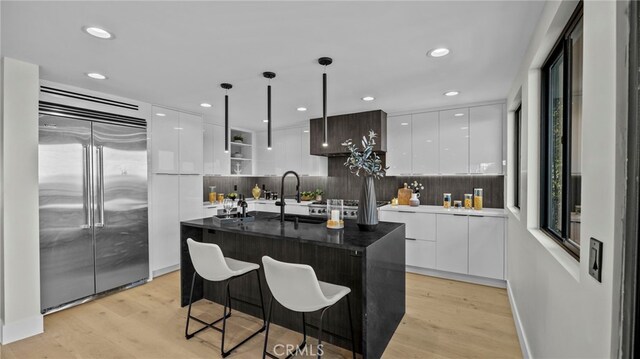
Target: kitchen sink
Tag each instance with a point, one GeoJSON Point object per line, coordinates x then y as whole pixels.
{"type": "Point", "coordinates": [302, 219]}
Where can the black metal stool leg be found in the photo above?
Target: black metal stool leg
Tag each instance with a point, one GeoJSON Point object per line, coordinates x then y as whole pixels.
{"type": "Point", "coordinates": [266, 334]}
{"type": "Point", "coordinates": [320, 333]}
{"type": "Point", "coordinates": [353, 338]}
{"type": "Point", "coordinates": [227, 303]}
{"type": "Point", "coordinates": [186, 329]}
{"type": "Point", "coordinates": [264, 318]}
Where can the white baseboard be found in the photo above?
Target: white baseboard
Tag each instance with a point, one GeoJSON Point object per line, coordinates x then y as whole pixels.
{"type": "Point", "coordinates": [524, 344]}
{"type": "Point", "coordinates": [21, 329]}
{"type": "Point", "coordinates": [457, 276]}
{"type": "Point", "coordinates": [163, 271]}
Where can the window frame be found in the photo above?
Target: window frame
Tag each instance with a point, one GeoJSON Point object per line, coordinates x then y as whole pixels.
{"type": "Point", "coordinates": [562, 47]}
{"type": "Point", "coordinates": [517, 160]}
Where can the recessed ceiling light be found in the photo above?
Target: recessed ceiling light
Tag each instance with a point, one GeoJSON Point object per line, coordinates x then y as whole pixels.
{"type": "Point", "coordinates": [404, 124]}
{"type": "Point", "coordinates": [368, 98]}
{"type": "Point", "coordinates": [98, 32]}
{"type": "Point", "coordinates": [301, 109]}
{"type": "Point", "coordinates": [439, 52]}
{"type": "Point", "coordinates": [265, 121]}
{"type": "Point", "coordinates": [160, 114]}
{"type": "Point", "coordinates": [459, 114]}
{"type": "Point", "coordinates": [306, 131]}
{"type": "Point", "coordinates": [204, 104]}
{"type": "Point", "coordinates": [97, 76]}
{"type": "Point", "coordinates": [451, 93]}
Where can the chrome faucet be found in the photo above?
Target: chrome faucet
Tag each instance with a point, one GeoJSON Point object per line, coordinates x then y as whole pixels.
{"type": "Point", "coordinates": [282, 201]}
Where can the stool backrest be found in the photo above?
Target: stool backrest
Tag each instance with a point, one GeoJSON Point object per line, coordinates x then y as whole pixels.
{"type": "Point", "coordinates": [295, 286]}
{"type": "Point", "coordinates": [208, 260]}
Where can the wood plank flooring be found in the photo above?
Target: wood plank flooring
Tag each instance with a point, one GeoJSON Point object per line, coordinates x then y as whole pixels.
{"type": "Point", "coordinates": [444, 319]}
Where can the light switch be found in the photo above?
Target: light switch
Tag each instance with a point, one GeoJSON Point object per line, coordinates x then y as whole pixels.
{"type": "Point", "coordinates": [595, 259]}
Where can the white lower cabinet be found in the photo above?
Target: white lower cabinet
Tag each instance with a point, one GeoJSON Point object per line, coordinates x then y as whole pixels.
{"type": "Point", "coordinates": [452, 249]}
{"type": "Point", "coordinates": [486, 247]}
{"type": "Point", "coordinates": [165, 231]}
{"type": "Point", "coordinates": [420, 253]}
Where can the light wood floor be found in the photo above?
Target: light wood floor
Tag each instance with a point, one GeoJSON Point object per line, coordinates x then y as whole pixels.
{"type": "Point", "coordinates": [444, 319]}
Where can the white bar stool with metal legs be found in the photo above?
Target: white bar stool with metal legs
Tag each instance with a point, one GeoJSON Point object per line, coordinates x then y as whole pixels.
{"type": "Point", "coordinates": [296, 287]}
{"type": "Point", "coordinates": [212, 265]}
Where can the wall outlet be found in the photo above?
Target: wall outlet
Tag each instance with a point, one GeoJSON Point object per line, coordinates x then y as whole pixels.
{"type": "Point", "coordinates": [595, 259]}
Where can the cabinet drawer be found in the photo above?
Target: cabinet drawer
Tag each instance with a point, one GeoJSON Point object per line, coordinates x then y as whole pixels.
{"type": "Point", "coordinates": [421, 253]}
{"type": "Point", "coordinates": [418, 225]}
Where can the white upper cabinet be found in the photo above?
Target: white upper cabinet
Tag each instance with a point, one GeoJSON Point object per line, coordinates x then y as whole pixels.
{"type": "Point", "coordinates": [290, 151]}
{"type": "Point", "coordinates": [191, 144]}
{"type": "Point", "coordinates": [216, 162]}
{"type": "Point", "coordinates": [165, 141]}
{"type": "Point", "coordinates": [424, 143]}
{"type": "Point", "coordinates": [399, 145]}
{"type": "Point", "coordinates": [191, 188]}
{"type": "Point", "coordinates": [485, 139]}
{"type": "Point", "coordinates": [454, 141]}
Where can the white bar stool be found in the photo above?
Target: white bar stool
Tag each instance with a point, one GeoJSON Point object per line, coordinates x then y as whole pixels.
{"type": "Point", "coordinates": [296, 287]}
{"type": "Point", "coordinates": [211, 265]}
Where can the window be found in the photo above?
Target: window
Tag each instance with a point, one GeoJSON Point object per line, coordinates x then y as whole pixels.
{"type": "Point", "coordinates": [517, 167]}
{"type": "Point", "coordinates": [561, 138]}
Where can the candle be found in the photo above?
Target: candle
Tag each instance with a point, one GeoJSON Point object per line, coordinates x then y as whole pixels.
{"type": "Point", "coordinates": [335, 215]}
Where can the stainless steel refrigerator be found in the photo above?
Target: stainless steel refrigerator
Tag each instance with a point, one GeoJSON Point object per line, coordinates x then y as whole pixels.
{"type": "Point", "coordinates": [93, 206]}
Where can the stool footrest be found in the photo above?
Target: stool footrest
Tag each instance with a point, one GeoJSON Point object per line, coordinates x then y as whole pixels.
{"type": "Point", "coordinates": [206, 325]}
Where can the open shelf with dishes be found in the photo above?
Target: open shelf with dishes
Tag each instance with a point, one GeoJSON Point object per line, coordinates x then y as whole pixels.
{"type": "Point", "coordinates": [241, 152]}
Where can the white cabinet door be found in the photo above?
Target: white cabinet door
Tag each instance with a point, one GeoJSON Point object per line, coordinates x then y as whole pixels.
{"type": "Point", "coordinates": [165, 227]}
{"type": "Point", "coordinates": [485, 139]}
{"type": "Point", "coordinates": [425, 150]}
{"type": "Point", "coordinates": [265, 159]}
{"type": "Point", "coordinates": [165, 141]}
{"type": "Point", "coordinates": [209, 212]}
{"type": "Point", "coordinates": [486, 246]}
{"type": "Point", "coordinates": [292, 155]}
{"type": "Point", "coordinates": [420, 253]}
{"type": "Point", "coordinates": [191, 149]}
{"type": "Point", "coordinates": [399, 145]}
{"type": "Point", "coordinates": [452, 246]}
{"type": "Point", "coordinates": [207, 145]}
{"type": "Point", "coordinates": [191, 188]}
{"type": "Point", "coordinates": [417, 225]}
{"type": "Point", "coordinates": [454, 141]}
{"type": "Point", "coordinates": [221, 160]}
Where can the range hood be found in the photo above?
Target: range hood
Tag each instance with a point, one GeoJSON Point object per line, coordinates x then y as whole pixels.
{"type": "Point", "coordinates": [343, 127]}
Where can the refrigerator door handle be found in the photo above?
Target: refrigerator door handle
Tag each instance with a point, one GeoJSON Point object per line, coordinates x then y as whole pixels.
{"type": "Point", "coordinates": [100, 156]}
{"type": "Point", "coordinates": [86, 169]}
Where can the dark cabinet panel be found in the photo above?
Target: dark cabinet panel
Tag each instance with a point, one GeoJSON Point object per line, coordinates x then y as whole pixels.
{"type": "Point", "coordinates": [342, 127]}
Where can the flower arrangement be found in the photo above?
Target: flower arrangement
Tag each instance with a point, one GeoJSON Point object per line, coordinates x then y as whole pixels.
{"type": "Point", "coordinates": [365, 160]}
{"type": "Point", "coordinates": [415, 186]}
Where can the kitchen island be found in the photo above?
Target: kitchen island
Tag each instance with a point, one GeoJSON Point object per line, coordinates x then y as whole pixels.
{"type": "Point", "coordinates": [372, 264]}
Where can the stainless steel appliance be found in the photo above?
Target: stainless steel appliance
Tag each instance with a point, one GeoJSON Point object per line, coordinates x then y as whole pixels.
{"type": "Point", "coordinates": [319, 208]}
{"type": "Point", "coordinates": [93, 203]}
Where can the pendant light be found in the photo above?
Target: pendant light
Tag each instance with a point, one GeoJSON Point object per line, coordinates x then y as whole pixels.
{"type": "Point", "coordinates": [324, 61]}
{"type": "Point", "coordinates": [226, 87]}
{"type": "Point", "coordinates": [269, 75]}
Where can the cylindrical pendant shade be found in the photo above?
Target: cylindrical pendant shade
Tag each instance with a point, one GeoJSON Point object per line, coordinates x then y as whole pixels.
{"type": "Point", "coordinates": [325, 142]}
{"type": "Point", "coordinates": [226, 123]}
{"type": "Point", "coordinates": [269, 117]}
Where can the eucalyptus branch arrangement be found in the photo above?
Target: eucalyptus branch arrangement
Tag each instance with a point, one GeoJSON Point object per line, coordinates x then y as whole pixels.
{"type": "Point", "coordinates": [365, 160]}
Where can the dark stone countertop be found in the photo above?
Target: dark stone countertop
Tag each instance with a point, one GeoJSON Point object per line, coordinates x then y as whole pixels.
{"type": "Point", "coordinates": [268, 225]}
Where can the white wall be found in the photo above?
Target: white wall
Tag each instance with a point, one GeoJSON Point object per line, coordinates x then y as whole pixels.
{"type": "Point", "coordinates": [560, 309]}
{"type": "Point", "coordinates": [20, 223]}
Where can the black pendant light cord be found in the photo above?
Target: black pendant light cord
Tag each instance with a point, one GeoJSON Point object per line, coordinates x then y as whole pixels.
{"type": "Point", "coordinates": [324, 61]}
{"type": "Point", "coordinates": [269, 75]}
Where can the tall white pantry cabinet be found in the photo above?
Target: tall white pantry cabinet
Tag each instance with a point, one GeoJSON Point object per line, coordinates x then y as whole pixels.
{"type": "Point", "coordinates": [176, 152]}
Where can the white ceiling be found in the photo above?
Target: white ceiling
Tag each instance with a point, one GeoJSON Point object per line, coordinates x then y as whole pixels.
{"type": "Point", "coordinates": [177, 53]}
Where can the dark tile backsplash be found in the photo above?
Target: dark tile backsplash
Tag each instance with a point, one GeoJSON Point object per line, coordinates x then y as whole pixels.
{"type": "Point", "coordinates": [347, 186]}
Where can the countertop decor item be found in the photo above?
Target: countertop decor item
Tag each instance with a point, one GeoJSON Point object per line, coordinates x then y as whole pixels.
{"type": "Point", "coordinates": [318, 194]}
{"type": "Point", "coordinates": [415, 186]}
{"type": "Point", "coordinates": [394, 202]}
{"type": "Point", "coordinates": [414, 201]}
{"type": "Point", "coordinates": [468, 201]}
{"type": "Point", "coordinates": [477, 198]}
{"type": "Point", "coordinates": [446, 200]}
{"type": "Point", "coordinates": [212, 194]}
{"type": "Point", "coordinates": [370, 164]}
{"type": "Point", "coordinates": [256, 192]}
{"type": "Point", "coordinates": [335, 214]}
{"type": "Point", "coordinates": [404, 195]}
{"type": "Point", "coordinates": [307, 196]}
